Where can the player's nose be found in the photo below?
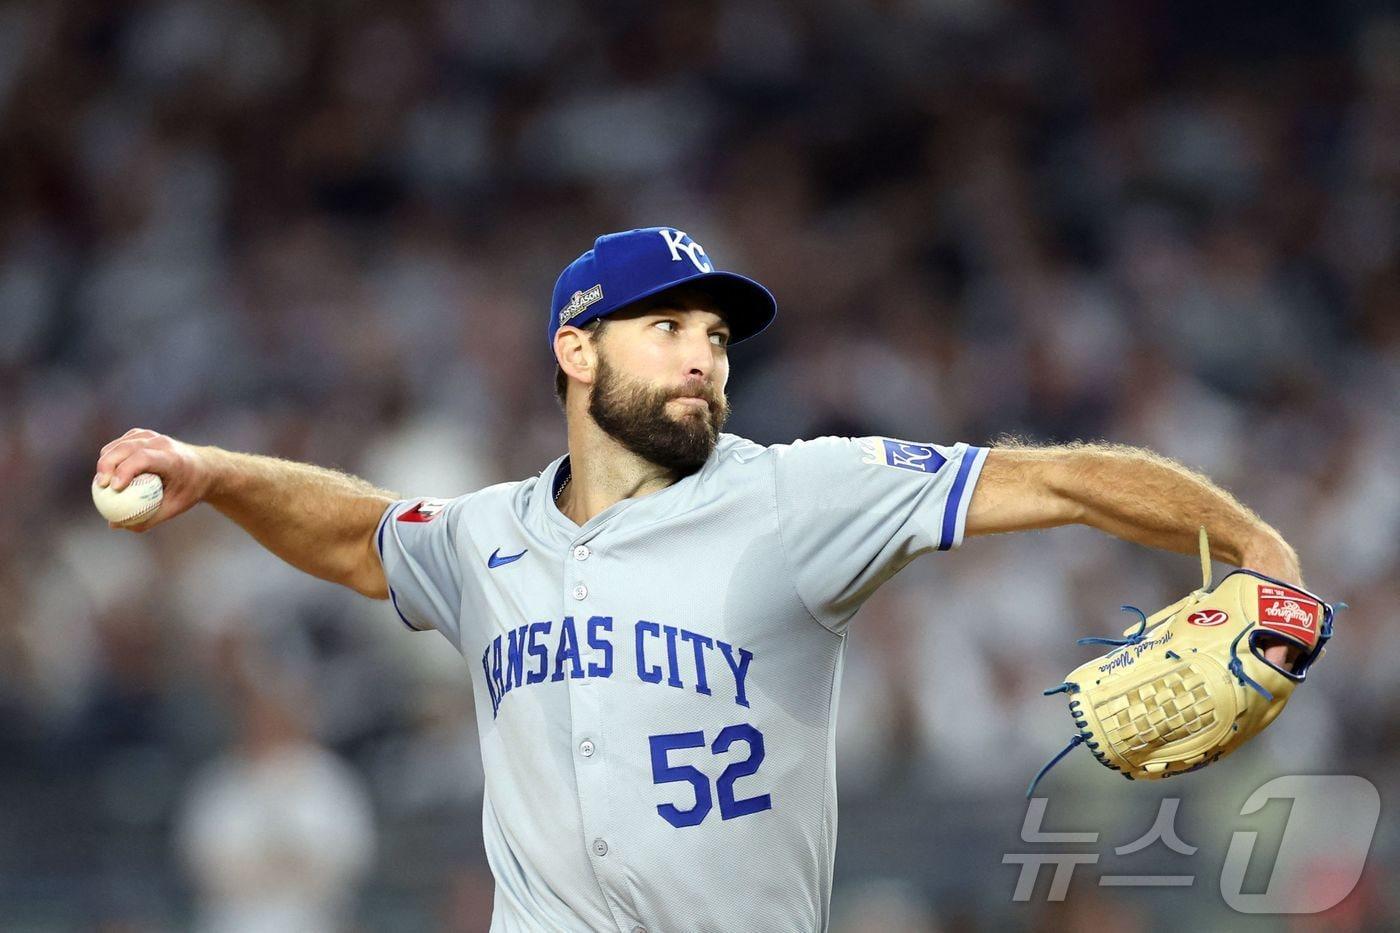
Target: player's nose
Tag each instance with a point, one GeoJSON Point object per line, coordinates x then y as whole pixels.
{"type": "Point", "coordinates": [695, 385]}
{"type": "Point", "coordinates": [698, 353]}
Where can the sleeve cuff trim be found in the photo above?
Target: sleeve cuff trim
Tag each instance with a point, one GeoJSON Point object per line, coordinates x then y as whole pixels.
{"type": "Point", "coordinates": [955, 511]}
{"type": "Point", "coordinates": [379, 544]}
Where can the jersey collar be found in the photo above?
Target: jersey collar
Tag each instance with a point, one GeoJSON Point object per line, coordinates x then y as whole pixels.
{"type": "Point", "coordinates": [552, 479]}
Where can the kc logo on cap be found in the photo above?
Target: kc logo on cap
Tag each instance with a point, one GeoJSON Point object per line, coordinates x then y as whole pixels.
{"type": "Point", "coordinates": [676, 242]}
{"type": "Point", "coordinates": [627, 267]}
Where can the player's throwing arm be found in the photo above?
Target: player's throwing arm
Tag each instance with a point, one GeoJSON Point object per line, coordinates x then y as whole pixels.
{"type": "Point", "coordinates": [1127, 492]}
{"type": "Point", "coordinates": [1188, 685]}
{"type": "Point", "coordinates": [319, 521]}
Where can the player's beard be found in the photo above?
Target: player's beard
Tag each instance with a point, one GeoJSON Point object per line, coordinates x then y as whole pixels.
{"type": "Point", "coordinates": [635, 416]}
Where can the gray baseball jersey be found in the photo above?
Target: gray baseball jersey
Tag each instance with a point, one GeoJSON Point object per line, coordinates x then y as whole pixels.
{"type": "Point", "coordinates": [656, 689]}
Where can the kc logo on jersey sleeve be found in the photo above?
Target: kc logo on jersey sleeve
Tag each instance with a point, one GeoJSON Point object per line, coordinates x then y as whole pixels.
{"type": "Point", "coordinates": [921, 458]}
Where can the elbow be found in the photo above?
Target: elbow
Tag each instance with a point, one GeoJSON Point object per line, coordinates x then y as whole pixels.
{"type": "Point", "coordinates": [365, 573]}
{"type": "Point", "coordinates": [372, 590]}
{"type": "Point", "coordinates": [369, 581]}
{"type": "Point", "coordinates": [368, 587]}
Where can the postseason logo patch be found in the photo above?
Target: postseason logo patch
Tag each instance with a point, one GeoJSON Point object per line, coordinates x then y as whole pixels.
{"type": "Point", "coordinates": [921, 458]}
{"type": "Point", "coordinates": [578, 301]}
{"type": "Point", "coordinates": [425, 511]}
{"type": "Point", "coordinates": [1290, 612]}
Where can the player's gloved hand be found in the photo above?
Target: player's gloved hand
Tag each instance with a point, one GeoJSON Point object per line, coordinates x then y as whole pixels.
{"type": "Point", "coordinates": [1197, 679]}
{"type": "Point", "coordinates": [1279, 562]}
{"type": "Point", "coordinates": [182, 469]}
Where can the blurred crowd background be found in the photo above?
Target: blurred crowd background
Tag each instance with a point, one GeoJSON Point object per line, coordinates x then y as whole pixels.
{"type": "Point", "coordinates": [329, 231]}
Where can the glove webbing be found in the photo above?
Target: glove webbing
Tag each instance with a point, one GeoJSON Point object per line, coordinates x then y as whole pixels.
{"type": "Point", "coordinates": [1178, 710]}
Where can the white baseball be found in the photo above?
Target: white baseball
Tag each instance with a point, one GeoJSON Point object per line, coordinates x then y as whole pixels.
{"type": "Point", "coordinates": [132, 505]}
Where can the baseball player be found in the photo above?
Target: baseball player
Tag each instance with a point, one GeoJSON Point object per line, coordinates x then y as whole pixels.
{"type": "Point", "coordinates": [655, 624]}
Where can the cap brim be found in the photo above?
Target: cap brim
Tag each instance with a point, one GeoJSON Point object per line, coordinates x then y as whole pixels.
{"type": "Point", "coordinates": [747, 307]}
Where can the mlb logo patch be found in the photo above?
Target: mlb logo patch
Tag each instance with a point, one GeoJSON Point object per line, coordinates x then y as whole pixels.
{"type": "Point", "coordinates": [425, 511]}
{"type": "Point", "coordinates": [1290, 612]}
{"type": "Point", "coordinates": [921, 458]}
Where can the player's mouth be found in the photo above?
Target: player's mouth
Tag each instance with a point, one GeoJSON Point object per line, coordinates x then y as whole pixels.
{"type": "Point", "coordinates": [692, 400]}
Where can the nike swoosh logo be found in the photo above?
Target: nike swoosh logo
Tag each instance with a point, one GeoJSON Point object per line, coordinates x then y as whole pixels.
{"type": "Point", "coordinates": [496, 560]}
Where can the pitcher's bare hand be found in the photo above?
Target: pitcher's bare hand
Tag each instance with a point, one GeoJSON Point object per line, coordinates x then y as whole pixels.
{"type": "Point", "coordinates": [181, 468]}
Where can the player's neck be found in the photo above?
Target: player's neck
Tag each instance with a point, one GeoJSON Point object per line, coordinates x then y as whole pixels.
{"type": "Point", "coordinates": [603, 473]}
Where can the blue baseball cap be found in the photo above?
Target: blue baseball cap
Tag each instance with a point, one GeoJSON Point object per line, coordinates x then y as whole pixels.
{"type": "Point", "coordinates": [623, 268]}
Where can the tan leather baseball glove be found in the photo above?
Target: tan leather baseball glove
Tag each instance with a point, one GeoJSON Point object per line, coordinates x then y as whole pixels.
{"type": "Point", "coordinates": [1191, 683]}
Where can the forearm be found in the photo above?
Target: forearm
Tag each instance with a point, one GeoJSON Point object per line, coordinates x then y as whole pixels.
{"type": "Point", "coordinates": [318, 520]}
{"type": "Point", "coordinates": [1139, 496]}
{"type": "Point", "coordinates": [1130, 493]}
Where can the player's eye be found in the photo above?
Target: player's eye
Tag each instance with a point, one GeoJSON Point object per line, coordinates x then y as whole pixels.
{"type": "Point", "coordinates": [719, 339]}
{"type": "Point", "coordinates": [668, 326]}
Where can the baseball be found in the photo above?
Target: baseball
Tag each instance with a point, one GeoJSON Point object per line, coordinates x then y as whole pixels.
{"type": "Point", "coordinates": [132, 505]}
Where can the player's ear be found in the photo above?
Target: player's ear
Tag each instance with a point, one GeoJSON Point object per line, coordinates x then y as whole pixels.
{"type": "Point", "coordinates": [575, 354]}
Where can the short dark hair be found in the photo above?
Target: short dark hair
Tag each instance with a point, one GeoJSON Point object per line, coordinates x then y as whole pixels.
{"type": "Point", "coordinates": [561, 381]}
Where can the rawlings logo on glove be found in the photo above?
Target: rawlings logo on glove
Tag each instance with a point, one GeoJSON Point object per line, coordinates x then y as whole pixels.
{"type": "Point", "coordinates": [1190, 684]}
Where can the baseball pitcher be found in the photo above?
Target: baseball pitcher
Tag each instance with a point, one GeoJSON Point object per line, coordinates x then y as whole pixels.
{"type": "Point", "coordinates": [654, 625]}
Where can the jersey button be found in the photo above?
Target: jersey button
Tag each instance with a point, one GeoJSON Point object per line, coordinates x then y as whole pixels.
{"type": "Point", "coordinates": [585, 748]}
{"type": "Point", "coordinates": [639, 930]}
{"type": "Point", "coordinates": [580, 591]}
{"type": "Point", "coordinates": [581, 552]}
{"type": "Point", "coordinates": [600, 848]}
